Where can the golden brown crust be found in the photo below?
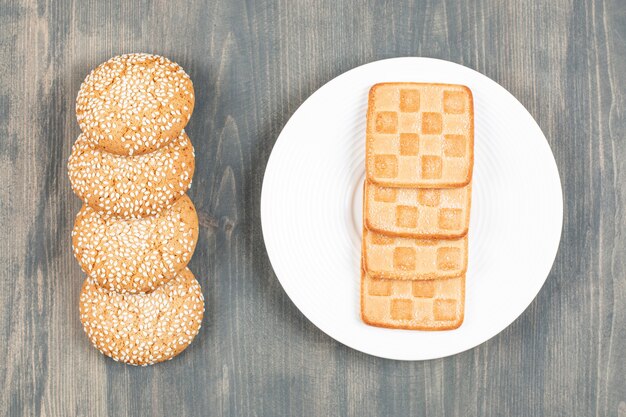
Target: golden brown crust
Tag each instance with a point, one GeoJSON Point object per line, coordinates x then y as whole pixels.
{"type": "Point", "coordinates": [131, 186]}
{"type": "Point", "coordinates": [134, 103]}
{"type": "Point", "coordinates": [143, 329]}
{"type": "Point", "coordinates": [135, 255]}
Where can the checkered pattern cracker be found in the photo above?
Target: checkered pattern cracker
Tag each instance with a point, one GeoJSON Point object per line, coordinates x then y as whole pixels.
{"type": "Point", "coordinates": [416, 205]}
{"type": "Point", "coordinates": [420, 135]}
{"type": "Point", "coordinates": [413, 259]}
{"type": "Point", "coordinates": [417, 212]}
{"type": "Point", "coordinates": [413, 305]}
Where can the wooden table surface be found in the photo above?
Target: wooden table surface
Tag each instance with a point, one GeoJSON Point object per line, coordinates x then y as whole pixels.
{"type": "Point", "coordinates": [253, 63]}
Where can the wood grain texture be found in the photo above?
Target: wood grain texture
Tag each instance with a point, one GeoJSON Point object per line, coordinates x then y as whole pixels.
{"type": "Point", "coordinates": [253, 63]}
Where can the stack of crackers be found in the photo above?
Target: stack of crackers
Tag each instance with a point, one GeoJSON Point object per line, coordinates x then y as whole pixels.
{"type": "Point", "coordinates": [137, 230]}
{"type": "Point", "coordinates": [417, 195]}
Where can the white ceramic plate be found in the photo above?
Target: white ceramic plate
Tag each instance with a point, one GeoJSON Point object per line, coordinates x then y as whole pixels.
{"type": "Point", "coordinates": [311, 210]}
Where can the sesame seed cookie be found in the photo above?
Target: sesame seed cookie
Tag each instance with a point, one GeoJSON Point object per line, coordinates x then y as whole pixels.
{"type": "Point", "coordinates": [131, 186]}
{"type": "Point", "coordinates": [143, 329]}
{"type": "Point", "coordinates": [134, 103]}
{"type": "Point", "coordinates": [135, 255]}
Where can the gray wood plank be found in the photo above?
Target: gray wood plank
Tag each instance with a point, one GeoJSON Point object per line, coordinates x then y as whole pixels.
{"type": "Point", "coordinates": [253, 63]}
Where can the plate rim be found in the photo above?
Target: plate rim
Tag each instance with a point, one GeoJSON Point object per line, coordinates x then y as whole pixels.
{"type": "Point", "coordinates": [552, 161]}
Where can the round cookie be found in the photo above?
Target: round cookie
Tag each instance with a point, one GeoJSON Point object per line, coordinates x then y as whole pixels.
{"type": "Point", "coordinates": [131, 186]}
{"type": "Point", "coordinates": [135, 255]}
{"type": "Point", "coordinates": [134, 103]}
{"type": "Point", "coordinates": [143, 329]}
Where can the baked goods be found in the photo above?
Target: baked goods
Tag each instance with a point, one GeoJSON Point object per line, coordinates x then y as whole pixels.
{"type": "Point", "coordinates": [135, 255]}
{"type": "Point", "coordinates": [131, 187]}
{"type": "Point", "coordinates": [417, 212]}
{"type": "Point", "coordinates": [137, 230]}
{"type": "Point", "coordinates": [413, 259]}
{"type": "Point", "coordinates": [413, 305]}
{"type": "Point", "coordinates": [416, 205]}
{"type": "Point", "coordinates": [420, 135]}
{"type": "Point", "coordinates": [134, 103]}
{"type": "Point", "coordinates": [143, 329]}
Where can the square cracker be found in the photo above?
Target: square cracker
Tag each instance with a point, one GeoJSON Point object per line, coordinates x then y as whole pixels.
{"type": "Point", "coordinates": [389, 257]}
{"type": "Point", "coordinates": [420, 135]}
{"type": "Point", "coordinates": [425, 213]}
{"type": "Point", "coordinates": [413, 305]}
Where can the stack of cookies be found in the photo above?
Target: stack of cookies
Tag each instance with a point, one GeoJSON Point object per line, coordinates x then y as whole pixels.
{"type": "Point", "coordinates": [137, 230]}
{"type": "Point", "coordinates": [416, 205]}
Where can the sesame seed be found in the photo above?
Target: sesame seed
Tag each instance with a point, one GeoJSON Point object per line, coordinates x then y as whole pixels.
{"type": "Point", "coordinates": [143, 329]}
{"type": "Point", "coordinates": [134, 92]}
{"type": "Point", "coordinates": [119, 186]}
{"type": "Point", "coordinates": [134, 256]}
{"type": "Point", "coordinates": [137, 230]}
